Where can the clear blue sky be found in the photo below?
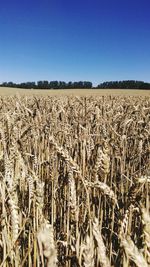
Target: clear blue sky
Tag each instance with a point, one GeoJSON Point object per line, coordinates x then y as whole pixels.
{"type": "Point", "coordinates": [95, 40]}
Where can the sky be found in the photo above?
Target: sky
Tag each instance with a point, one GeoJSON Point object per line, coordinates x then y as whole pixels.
{"type": "Point", "coordinates": [73, 40]}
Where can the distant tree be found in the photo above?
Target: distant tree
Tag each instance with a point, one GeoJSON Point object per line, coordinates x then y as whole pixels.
{"type": "Point", "coordinates": [39, 84]}
{"type": "Point", "coordinates": [28, 85]}
{"type": "Point", "coordinates": [87, 84]}
{"type": "Point", "coordinates": [80, 84]}
{"type": "Point", "coordinates": [10, 84]}
{"type": "Point", "coordinates": [54, 85]}
{"type": "Point", "coordinates": [69, 85]}
{"type": "Point", "coordinates": [45, 85]}
{"type": "Point", "coordinates": [129, 84]}
{"type": "Point", "coordinates": [62, 85]}
{"type": "Point", "coordinates": [4, 84]}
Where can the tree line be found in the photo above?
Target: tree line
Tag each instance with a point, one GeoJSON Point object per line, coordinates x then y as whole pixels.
{"type": "Point", "coordinates": [128, 84]}
{"type": "Point", "coordinates": [49, 85]}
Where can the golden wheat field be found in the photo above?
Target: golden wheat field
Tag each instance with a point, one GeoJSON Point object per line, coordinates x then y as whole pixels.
{"type": "Point", "coordinates": [6, 91]}
{"type": "Point", "coordinates": [75, 180]}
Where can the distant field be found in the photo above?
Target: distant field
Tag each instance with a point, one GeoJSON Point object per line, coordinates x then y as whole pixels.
{"type": "Point", "coordinates": [79, 92]}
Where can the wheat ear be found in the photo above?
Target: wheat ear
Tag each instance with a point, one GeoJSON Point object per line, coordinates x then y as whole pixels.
{"type": "Point", "coordinates": [88, 252]}
{"type": "Point", "coordinates": [104, 261]}
{"type": "Point", "coordinates": [46, 244]}
{"type": "Point", "coordinates": [105, 189]}
{"type": "Point", "coordinates": [133, 253]}
{"type": "Point", "coordinates": [146, 230]}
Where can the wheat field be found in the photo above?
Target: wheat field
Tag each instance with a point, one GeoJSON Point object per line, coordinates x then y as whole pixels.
{"type": "Point", "coordinates": [74, 181]}
{"type": "Point", "coordinates": [7, 91]}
